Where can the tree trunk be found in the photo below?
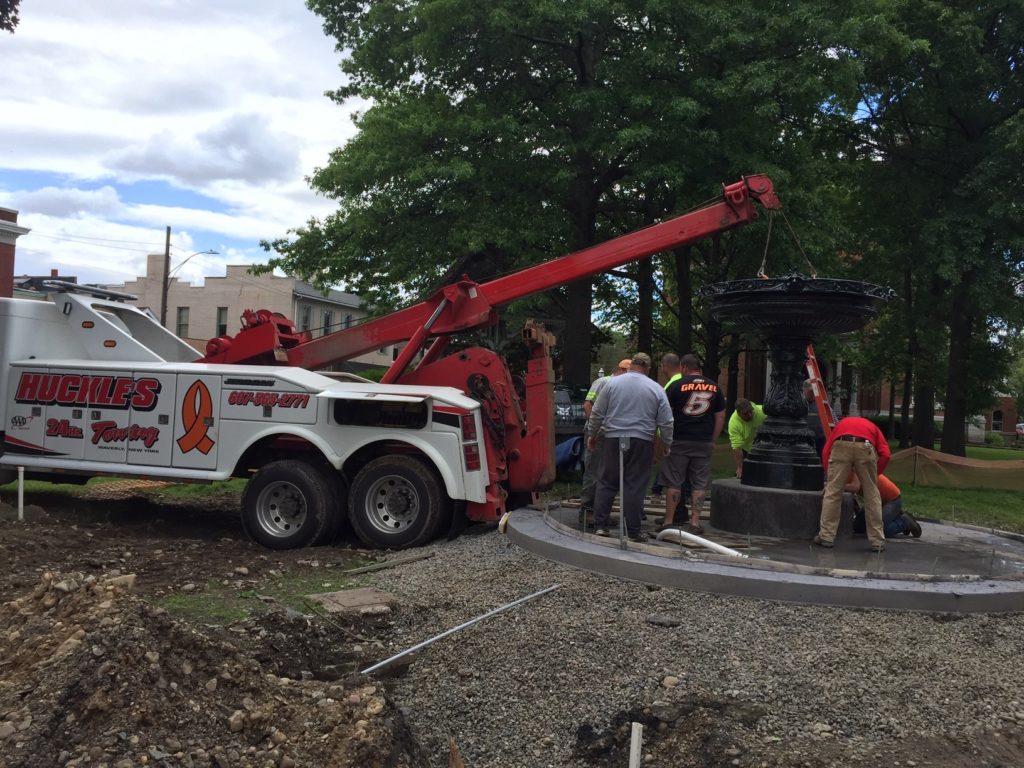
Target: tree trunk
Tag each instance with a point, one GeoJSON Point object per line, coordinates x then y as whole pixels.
{"type": "Point", "coordinates": [924, 415]}
{"type": "Point", "coordinates": [576, 360]}
{"type": "Point", "coordinates": [912, 349]}
{"type": "Point", "coordinates": [684, 283]}
{"type": "Point", "coordinates": [645, 309]}
{"type": "Point", "coordinates": [890, 423]}
{"type": "Point", "coordinates": [714, 344]}
{"type": "Point", "coordinates": [960, 327]}
{"type": "Point", "coordinates": [732, 385]}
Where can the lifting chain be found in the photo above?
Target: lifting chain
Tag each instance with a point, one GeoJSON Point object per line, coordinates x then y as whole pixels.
{"type": "Point", "coordinates": [771, 218]}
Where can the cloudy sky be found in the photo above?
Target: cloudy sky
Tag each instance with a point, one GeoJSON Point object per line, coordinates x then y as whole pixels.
{"type": "Point", "coordinates": [123, 117]}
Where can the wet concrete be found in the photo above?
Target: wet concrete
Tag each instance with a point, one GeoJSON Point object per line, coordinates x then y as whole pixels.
{"type": "Point", "coordinates": [950, 568]}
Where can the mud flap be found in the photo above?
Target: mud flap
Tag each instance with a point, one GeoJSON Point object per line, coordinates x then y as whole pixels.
{"type": "Point", "coordinates": [459, 520]}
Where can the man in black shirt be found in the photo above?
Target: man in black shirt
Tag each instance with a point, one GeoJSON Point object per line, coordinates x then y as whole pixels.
{"type": "Point", "coordinates": [698, 410]}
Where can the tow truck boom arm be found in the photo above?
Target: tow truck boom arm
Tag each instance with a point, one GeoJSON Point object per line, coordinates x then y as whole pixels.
{"type": "Point", "coordinates": [465, 304]}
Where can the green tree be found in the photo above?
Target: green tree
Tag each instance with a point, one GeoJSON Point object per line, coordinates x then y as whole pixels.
{"type": "Point", "coordinates": [9, 14]}
{"type": "Point", "coordinates": [939, 128]}
{"type": "Point", "coordinates": [523, 130]}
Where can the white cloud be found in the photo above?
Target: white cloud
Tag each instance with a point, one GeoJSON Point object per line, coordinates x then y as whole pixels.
{"type": "Point", "coordinates": [223, 99]}
{"type": "Point", "coordinates": [72, 203]}
{"type": "Point", "coordinates": [240, 147]}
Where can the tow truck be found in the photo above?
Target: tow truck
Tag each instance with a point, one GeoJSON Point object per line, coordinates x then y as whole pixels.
{"type": "Point", "coordinates": [96, 386]}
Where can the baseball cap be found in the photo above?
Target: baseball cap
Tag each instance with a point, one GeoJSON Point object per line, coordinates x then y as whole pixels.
{"type": "Point", "coordinates": [642, 358]}
{"type": "Point", "coordinates": [624, 364]}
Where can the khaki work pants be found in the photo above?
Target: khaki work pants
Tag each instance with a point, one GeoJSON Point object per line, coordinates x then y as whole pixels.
{"type": "Point", "coordinates": [862, 459]}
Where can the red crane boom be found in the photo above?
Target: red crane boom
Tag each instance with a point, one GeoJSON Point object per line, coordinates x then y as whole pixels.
{"type": "Point", "coordinates": [466, 304]}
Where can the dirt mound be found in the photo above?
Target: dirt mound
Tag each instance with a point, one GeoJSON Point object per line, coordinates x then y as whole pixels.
{"type": "Point", "coordinates": [89, 673]}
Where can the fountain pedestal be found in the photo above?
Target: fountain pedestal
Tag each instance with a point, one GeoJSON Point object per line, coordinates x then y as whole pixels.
{"type": "Point", "coordinates": [780, 493]}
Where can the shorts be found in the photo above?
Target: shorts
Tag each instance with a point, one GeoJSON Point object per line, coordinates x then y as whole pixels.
{"type": "Point", "coordinates": [689, 460]}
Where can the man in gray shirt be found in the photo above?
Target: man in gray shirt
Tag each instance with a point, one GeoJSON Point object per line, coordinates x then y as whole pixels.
{"type": "Point", "coordinates": [634, 408]}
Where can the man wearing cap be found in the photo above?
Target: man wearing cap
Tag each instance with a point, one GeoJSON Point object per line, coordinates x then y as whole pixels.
{"type": "Point", "coordinates": [631, 412]}
{"type": "Point", "coordinates": [743, 426]}
{"type": "Point", "coordinates": [592, 457]}
{"type": "Point", "coordinates": [855, 444]}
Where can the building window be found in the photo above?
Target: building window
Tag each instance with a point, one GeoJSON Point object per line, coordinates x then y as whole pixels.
{"type": "Point", "coordinates": [181, 325]}
{"type": "Point", "coordinates": [307, 318]}
{"type": "Point", "coordinates": [328, 321]}
{"type": "Point", "coordinates": [222, 321]}
{"type": "Point", "coordinates": [348, 321]}
{"type": "Point", "coordinates": [997, 421]}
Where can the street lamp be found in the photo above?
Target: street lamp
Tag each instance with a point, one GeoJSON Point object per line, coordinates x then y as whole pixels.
{"type": "Point", "coordinates": [167, 280]}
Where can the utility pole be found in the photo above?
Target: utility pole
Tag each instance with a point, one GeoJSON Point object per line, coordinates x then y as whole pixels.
{"type": "Point", "coordinates": [167, 279]}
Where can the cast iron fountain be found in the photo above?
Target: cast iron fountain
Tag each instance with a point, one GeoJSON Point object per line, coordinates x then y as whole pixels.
{"type": "Point", "coordinates": [780, 493]}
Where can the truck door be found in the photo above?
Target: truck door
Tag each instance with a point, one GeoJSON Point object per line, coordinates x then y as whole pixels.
{"type": "Point", "coordinates": [151, 434]}
{"type": "Point", "coordinates": [108, 413]}
{"type": "Point", "coordinates": [196, 421]}
{"type": "Point", "coordinates": [26, 413]}
{"type": "Point", "coordinates": [65, 433]}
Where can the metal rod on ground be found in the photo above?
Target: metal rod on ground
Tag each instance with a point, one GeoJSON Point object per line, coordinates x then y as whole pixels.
{"type": "Point", "coordinates": [388, 563]}
{"type": "Point", "coordinates": [623, 447]}
{"type": "Point", "coordinates": [453, 630]}
{"type": "Point", "coordinates": [636, 744]}
{"type": "Point", "coordinates": [21, 494]}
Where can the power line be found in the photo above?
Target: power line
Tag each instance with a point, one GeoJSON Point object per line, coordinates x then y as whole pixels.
{"type": "Point", "coordinates": [95, 244]}
{"type": "Point", "coordinates": [87, 237]}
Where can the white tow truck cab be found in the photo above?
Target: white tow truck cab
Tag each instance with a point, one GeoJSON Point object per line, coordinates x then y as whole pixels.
{"type": "Point", "coordinates": [94, 386]}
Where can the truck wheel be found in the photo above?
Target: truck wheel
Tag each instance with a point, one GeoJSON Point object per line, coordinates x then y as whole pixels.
{"type": "Point", "coordinates": [396, 502]}
{"type": "Point", "coordinates": [288, 504]}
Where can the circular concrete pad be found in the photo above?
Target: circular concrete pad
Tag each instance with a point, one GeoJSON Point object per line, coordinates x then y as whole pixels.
{"type": "Point", "coordinates": [954, 569]}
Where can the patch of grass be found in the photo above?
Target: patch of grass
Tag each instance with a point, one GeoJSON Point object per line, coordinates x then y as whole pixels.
{"type": "Point", "coordinates": [193, 491]}
{"type": "Point", "coordinates": [217, 604]}
{"type": "Point", "coordinates": [222, 604]}
{"type": "Point", "coordinates": [994, 454]}
{"type": "Point", "coordinates": [42, 487]}
{"type": "Point", "coordinates": [973, 506]}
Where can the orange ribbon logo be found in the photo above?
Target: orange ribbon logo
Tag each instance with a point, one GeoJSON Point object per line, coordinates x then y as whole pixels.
{"type": "Point", "coordinates": [196, 416]}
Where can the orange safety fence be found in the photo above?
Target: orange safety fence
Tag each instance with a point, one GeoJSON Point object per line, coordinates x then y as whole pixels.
{"type": "Point", "coordinates": [920, 466]}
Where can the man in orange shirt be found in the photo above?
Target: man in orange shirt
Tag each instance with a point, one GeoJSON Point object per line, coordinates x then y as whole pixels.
{"type": "Point", "coordinates": [895, 519]}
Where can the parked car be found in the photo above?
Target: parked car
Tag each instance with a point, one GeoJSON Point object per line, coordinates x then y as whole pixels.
{"type": "Point", "coordinates": [569, 406]}
{"type": "Point", "coordinates": [1020, 431]}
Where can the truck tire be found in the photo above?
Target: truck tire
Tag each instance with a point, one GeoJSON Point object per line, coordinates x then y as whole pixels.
{"type": "Point", "coordinates": [396, 502]}
{"type": "Point", "coordinates": [288, 504]}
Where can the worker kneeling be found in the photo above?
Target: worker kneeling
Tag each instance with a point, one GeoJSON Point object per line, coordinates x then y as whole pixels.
{"type": "Point", "coordinates": [895, 520]}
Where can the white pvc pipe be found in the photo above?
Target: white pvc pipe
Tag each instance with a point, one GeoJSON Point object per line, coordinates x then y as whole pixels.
{"type": "Point", "coordinates": [678, 536]}
{"type": "Point", "coordinates": [636, 744]}
{"type": "Point", "coordinates": [21, 494]}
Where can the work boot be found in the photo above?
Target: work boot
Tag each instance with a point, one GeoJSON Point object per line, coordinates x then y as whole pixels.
{"type": "Point", "coordinates": [823, 543]}
{"type": "Point", "coordinates": [911, 525]}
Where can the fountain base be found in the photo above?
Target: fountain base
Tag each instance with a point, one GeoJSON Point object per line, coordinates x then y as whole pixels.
{"type": "Point", "coordinates": [779, 512]}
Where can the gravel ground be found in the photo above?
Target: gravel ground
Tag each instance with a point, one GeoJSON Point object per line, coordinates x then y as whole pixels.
{"type": "Point", "coordinates": [555, 682]}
